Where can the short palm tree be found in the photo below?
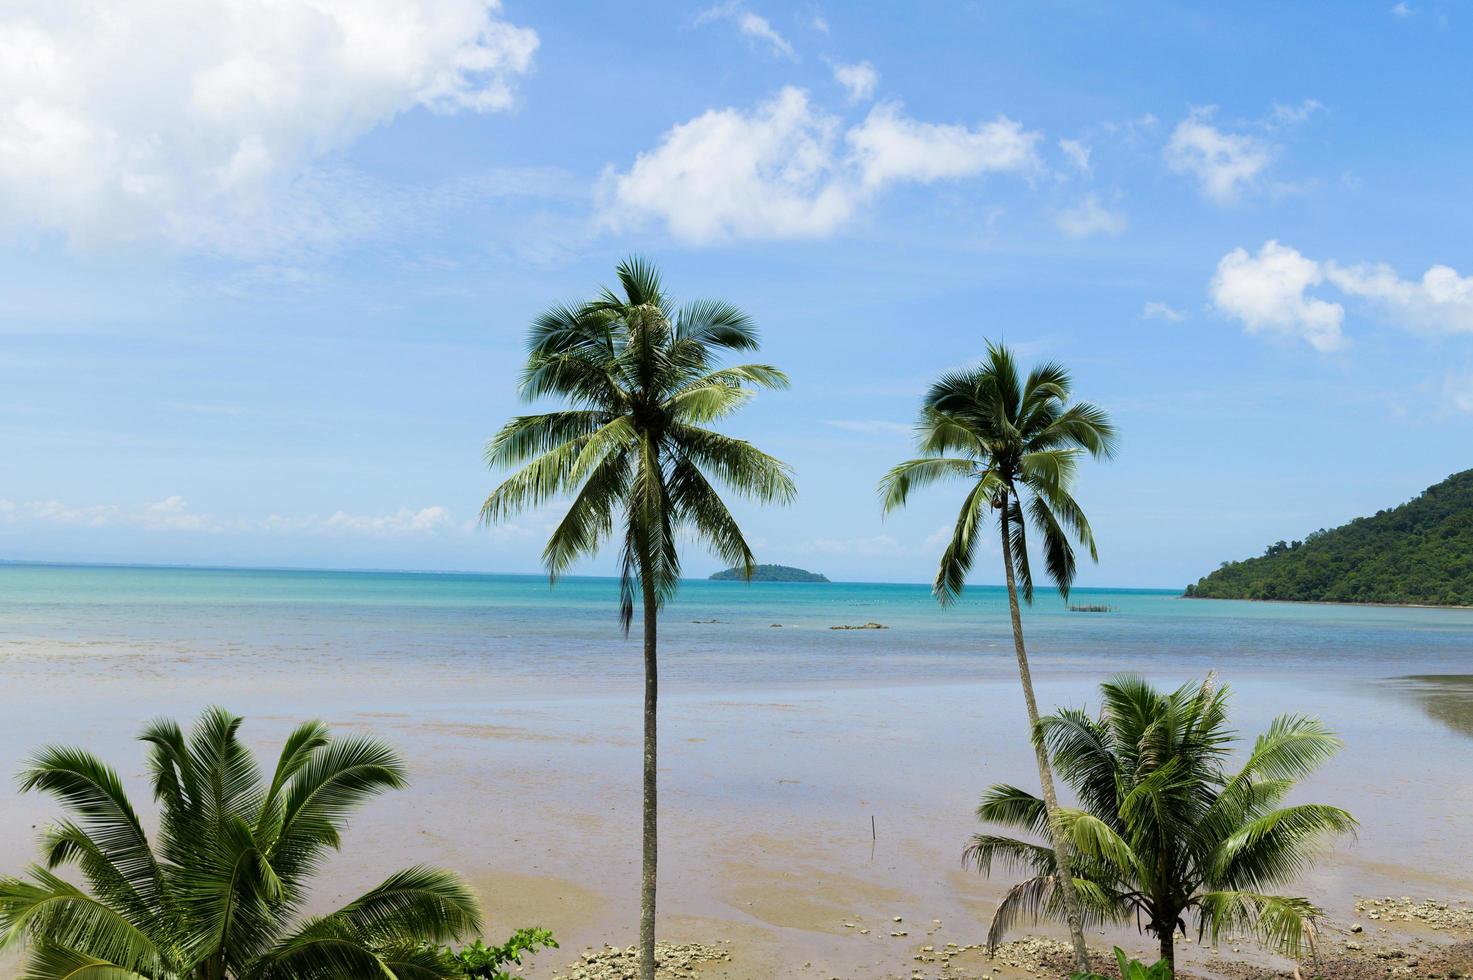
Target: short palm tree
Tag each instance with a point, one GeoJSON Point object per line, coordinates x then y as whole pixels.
{"type": "Point", "coordinates": [1016, 443]}
{"type": "Point", "coordinates": [218, 893]}
{"type": "Point", "coordinates": [1164, 832]}
{"type": "Point", "coordinates": [636, 450]}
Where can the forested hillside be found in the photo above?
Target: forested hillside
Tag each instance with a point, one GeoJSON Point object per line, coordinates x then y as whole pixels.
{"type": "Point", "coordinates": [1419, 552]}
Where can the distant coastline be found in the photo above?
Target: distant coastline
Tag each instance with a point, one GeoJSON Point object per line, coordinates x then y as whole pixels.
{"type": "Point", "coordinates": [1332, 602]}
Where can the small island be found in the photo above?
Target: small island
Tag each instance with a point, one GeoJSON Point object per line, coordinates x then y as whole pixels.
{"type": "Point", "coordinates": [769, 573]}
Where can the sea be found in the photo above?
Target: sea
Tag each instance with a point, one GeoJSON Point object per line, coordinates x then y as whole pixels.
{"type": "Point", "coordinates": [713, 633]}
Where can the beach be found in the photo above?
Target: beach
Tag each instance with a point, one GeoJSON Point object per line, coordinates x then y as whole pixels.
{"type": "Point", "coordinates": [815, 784]}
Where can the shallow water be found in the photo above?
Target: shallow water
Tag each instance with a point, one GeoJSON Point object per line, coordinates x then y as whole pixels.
{"type": "Point", "coordinates": [518, 709]}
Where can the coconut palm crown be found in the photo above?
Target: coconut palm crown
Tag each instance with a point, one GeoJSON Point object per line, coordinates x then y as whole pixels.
{"type": "Point", "coordinates": [1165, 834]}
{"type": "Point", "coordinates": [218, 892]}
{"type": "Point", "coordinates": [1017, 442]}
{"type": "Point", "coordinates": [635, 447]}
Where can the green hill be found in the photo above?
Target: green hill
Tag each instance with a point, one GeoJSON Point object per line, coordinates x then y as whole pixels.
{"type": "Point", "coordinates": [1420, 552]}
{"type": "Point", "coordinates": [769, 573]}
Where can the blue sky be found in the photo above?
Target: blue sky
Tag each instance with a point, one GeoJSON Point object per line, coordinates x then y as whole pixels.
{"type": "Point", "coordinates": [265, 275]}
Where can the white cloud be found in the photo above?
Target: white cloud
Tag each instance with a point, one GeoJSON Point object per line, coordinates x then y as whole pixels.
{"type": "Point", "coordinates": [403, 520]}
{"type": "Point", "coordinates": [890, 146]}
{"type": "Point", "coordinates": [1441, 302]}
{"type": "Point", "coordinates": [870, 426]}
{"type": "Point", "coordinates": [1223, 164]}
{"type": "Point", "coordinates": [171, 513]}
{"type": "Point", "coordinates": [888, 546]}
{"type": "Point", "coordinates": [181, 115]}
{"type": "Point", "coordinates": [751, 25]}
{"type": "Point", "coordinates": [1090, 217]}
{"type": "Point", "coordinates": [1402, 10]}
{"type": "Point", "coordinates": [1294, 115]}
{"type": "Point", "coordinates": [820, 24]}
{"type": "Point", "coordinates": [769, 172]}
{"type": "Point", "coordinates": [56, 512]}
{"type": "Point", "coordinates": [1157, 310]}
{"type": "Point", "coordinates": [1267, 293]}
{"type": "Point", "coordinates": [1078, 153]}
{"type": "Point", "coordinates": [174, 514]}
{"type": "Point", "coordinates": [781, 171]}
{"type": "Point", "coordinates": [859, 80]}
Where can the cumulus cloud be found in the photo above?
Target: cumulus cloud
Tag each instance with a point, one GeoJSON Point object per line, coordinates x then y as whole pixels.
{"type": "Point", "coordinates": [1090, 217]}
{"type": "Point", "coordinates": [1267, 292]}
{"type": "Point", "coordinates": [1157, 310]}
{"type": "Point", "coordinates": [782, 170]}
{"type": "Point", "coordinates": [166, 121]}
{"type": "Point", "coordinates": [1224, 164]}
{"type": "Point", "coordinates": [754, 26]}
{"type": "Point", "coordinates": [890, 146]}
{"type": "Point", "coordinates": [859, 80]}
{"type": "Point", "coordinates": [1440, 302]}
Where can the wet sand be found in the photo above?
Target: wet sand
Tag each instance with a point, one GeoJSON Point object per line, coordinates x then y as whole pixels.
{"type": "Point", "coordinates": [768, 790]}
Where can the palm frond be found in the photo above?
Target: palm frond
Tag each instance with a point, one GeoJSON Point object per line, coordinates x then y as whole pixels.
{"type": "Point", "coordinates": [339, 777]}
{"type": "Point", "coordinates": [986, 850]}
{"type": "Point", "coordinates": [1014, 807]}
{"type": "Point", "coordinates": [49, 912]}
{"type": "Point", "coordinates": [1285, 924]}
{"type": "Point", "coordinates": [418, 903]}
{"type": "Point", "coordinates": [736, 463]}
{"type": "Point", "coordinates": [91, 790]}
{"type": "Point", "coordinates": [956, 560]}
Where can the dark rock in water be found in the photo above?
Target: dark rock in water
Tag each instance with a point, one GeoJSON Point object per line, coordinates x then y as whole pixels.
{"type": "Point", "coordinates": [862, 626]}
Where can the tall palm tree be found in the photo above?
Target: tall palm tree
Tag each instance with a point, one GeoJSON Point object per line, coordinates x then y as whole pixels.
{"type": "Point", "coordinates": [636, 449]}
{"type": "Point", "coordinates": [1164, 832]}
{"type": "Point", "coordinates": [217, 894]}
{"type": "Point", "coordinates": [1017, 443]}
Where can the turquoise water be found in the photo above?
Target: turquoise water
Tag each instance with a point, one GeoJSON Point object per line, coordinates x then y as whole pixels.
{"type": "Point", "coordinates": [718, 632]}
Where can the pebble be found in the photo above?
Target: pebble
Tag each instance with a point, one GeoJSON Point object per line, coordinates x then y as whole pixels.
{"type": "Point", "coordinates": [673, 961]}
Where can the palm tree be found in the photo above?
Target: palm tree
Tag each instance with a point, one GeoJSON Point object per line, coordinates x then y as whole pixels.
{"type": "Point", "coordinates": [1164, 832]}
{"type": "Point", "coordinates": [1017, 443]}
{"type": "Point", "coordinates": [218, 893]}
{"type": "Point", "coordinates": [635, 449]}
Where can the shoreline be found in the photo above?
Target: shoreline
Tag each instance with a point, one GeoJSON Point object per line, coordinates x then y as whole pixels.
{"type": "Point", "coordinates": [1329, 602]}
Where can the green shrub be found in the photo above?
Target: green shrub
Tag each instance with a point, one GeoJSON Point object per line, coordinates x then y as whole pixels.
{"type": "Point", "coordinates": [1130, 969]}
{"type": "Point", "coordinates": [482, 962]}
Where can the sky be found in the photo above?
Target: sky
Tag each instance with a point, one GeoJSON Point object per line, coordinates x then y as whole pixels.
{"type": "Point", "coordinates": [266, 266]}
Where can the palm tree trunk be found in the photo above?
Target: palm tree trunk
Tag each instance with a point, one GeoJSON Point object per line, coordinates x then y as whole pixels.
{"type": "Point", "coordinates": [1045, 772]}
{"type": "Point", "coordinates": [650, 850]}
{"type": "Point", "coordinates": [1168, 949]}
